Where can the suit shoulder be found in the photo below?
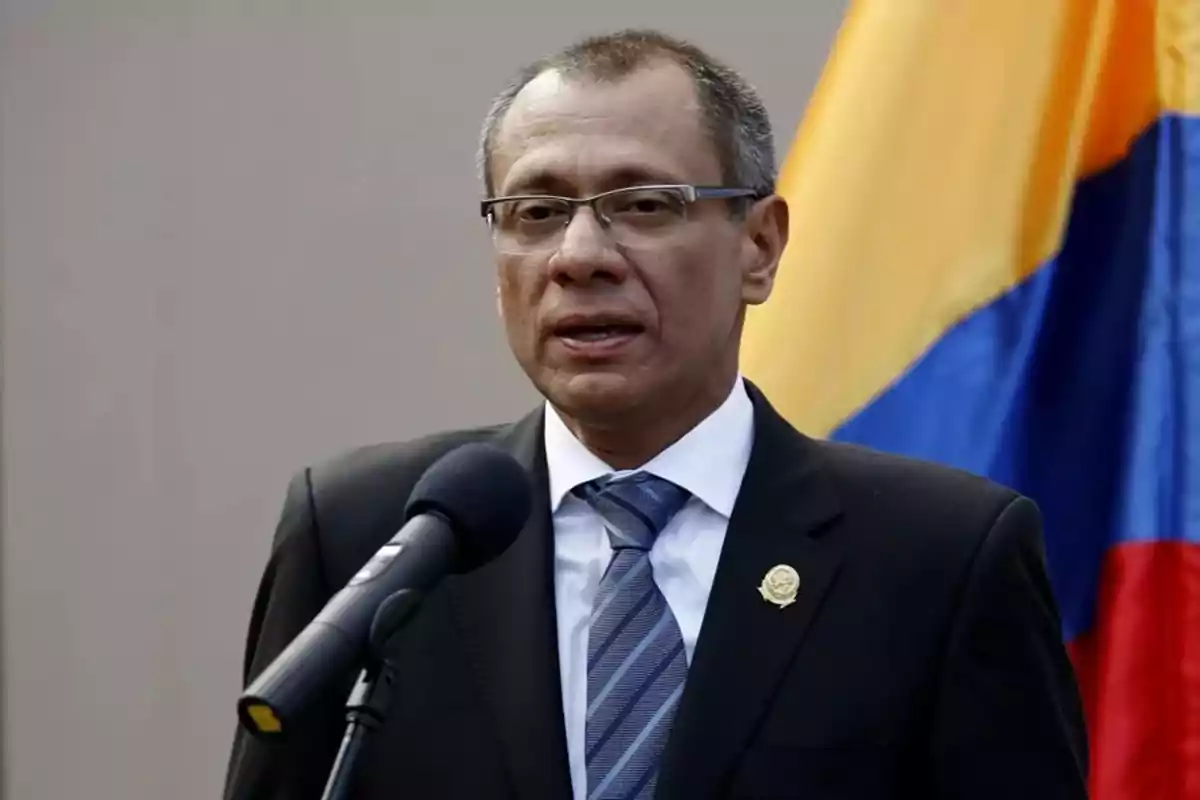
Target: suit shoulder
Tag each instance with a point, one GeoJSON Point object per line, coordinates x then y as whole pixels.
{"type": "Point", "coordinates": [352, 470]}
{"type": "Point", "coordinates": [358, 497]}
{"type": "Point", "coordinates": [879, 469]}
{"type": "Point", "coordinates": [919, 496]}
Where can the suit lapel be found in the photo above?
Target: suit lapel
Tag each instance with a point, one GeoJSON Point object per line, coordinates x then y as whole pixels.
{"type": "Point", "coordinates": [508, 618]}
{"type": "Point", "coordinates": [747, 643]}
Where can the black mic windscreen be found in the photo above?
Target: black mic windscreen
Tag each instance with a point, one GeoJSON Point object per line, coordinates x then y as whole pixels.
{"type": "Point", "coordinates": [484, 493]}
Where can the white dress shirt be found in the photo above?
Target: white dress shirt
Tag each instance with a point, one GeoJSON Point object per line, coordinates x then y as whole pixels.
{"type": "Point", "coordinates": [709, 462]}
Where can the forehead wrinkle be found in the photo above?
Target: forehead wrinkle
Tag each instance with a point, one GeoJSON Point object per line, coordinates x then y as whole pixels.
{"type": "Point", "coordinates": [644, 121]}
{"type": "Point", "coordinates": [570, 160]}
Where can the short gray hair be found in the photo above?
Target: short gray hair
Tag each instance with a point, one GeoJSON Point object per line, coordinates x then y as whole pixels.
{"type": "Point", "coordinates": [736, 119]}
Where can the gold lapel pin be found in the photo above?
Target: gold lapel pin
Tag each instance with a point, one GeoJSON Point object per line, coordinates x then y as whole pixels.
{"type": "Point", "coordinates": [780, 585]}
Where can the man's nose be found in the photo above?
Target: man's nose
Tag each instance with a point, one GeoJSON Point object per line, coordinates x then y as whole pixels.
{"type": "Point", "coordinates": [587, 252]}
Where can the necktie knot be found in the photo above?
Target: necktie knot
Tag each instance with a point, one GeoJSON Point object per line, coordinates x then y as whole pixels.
{"type": "Point", "coordinates": [635, 508]}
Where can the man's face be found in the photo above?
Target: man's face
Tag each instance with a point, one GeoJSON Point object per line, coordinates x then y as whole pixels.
{"type": "Point", "coordinates": [607, 331]}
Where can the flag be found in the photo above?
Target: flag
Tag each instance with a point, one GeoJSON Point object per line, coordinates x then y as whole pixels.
{"type": "Point", "coordinates": [995, 263]}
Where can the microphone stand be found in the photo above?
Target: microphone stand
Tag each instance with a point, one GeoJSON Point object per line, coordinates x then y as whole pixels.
{"type": "Point", "coordinates": [370, 699]}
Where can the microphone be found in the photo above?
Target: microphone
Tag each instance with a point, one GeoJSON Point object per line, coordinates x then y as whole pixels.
{"type": "Point", "coordinates": [466, 510]}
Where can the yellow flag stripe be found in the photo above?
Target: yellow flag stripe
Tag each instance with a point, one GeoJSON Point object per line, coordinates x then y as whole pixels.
{"type": "Point", "coordinates": [934, 170]}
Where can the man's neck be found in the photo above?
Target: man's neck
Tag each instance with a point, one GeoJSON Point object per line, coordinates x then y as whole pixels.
{"type": "Point", "coordinates": [633, 440]}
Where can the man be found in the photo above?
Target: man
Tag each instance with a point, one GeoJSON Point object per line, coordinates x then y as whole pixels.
{"type": "Point", "coordinates": [705, 603]}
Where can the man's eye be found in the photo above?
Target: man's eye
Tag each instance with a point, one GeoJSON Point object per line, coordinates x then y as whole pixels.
{"type": "Point", "coordinates": [647, 204]}
{"type": "Point", "coordinates": [538, 212]}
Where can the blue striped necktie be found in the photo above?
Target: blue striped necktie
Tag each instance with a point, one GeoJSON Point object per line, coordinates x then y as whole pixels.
{"type": "Point", "coordinates": [636, 660]}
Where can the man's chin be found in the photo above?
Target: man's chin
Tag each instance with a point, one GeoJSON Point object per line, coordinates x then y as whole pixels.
{"type": "Point", "coordinates": [597, 395]}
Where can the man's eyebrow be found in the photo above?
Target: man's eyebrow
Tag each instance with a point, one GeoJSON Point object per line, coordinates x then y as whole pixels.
{"type": "Point", "coordinates": [546, 182]}
{"type": "Point", "coordinates": [539, 182]}
{"type": "Point", "coordinates": [633, 176]}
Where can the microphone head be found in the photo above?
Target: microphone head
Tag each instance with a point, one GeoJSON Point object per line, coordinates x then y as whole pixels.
{"type": "Point", "coordinates": [484, 493]}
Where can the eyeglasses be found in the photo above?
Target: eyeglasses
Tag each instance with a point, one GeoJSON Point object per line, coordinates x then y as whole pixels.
{"type": "Point", "coordinates": [636, 217]}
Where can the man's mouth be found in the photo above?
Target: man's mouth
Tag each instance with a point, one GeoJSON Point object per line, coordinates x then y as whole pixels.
{"type": "Point", "coordinates": [598, 332]}
{"type": "Point", "coordinates": [597, 340]}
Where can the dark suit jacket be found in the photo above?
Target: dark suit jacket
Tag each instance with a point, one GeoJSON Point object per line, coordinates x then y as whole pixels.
{"type": "Point", "coordinates": [922, 659]}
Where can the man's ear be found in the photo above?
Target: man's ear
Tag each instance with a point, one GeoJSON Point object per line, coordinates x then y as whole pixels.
{"type": "Point", "coordinates": [499, 304]}
{"type": "Point", "coordinates": [766, 230]}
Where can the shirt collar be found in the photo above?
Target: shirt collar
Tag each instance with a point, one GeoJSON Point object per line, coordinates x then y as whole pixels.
{"type": "Point", "coordinates": [709, 461]}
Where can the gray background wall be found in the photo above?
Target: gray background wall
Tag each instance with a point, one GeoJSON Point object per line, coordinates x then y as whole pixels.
{"type": "Point", "coordinates": [236, 237]}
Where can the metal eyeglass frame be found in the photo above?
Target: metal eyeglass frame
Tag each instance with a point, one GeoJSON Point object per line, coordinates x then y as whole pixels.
{"type": "Point", "coordinates": [690, 195]}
